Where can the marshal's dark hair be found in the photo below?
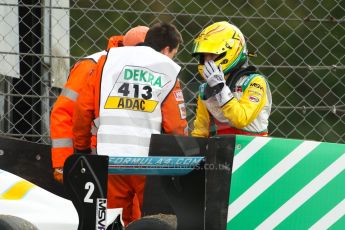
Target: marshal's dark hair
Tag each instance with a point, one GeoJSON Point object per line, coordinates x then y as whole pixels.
{"type": "Point", "coordinates": [163, 34]}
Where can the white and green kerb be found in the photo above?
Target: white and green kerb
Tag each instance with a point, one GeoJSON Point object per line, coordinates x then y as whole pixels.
{"type": "Point", "coordinates": [287, 184]}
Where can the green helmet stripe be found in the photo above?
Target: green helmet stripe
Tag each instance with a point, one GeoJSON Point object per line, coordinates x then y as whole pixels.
{"type": "Point", "coordinates": [195, 47]}
{"type": "Point", "coordinates": [240, 58]}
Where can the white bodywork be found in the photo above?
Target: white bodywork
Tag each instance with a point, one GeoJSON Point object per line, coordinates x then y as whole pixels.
{"type": "Point", "coordinates": [45, 210]}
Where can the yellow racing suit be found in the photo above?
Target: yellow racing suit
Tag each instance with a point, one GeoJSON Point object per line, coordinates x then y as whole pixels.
{"type": "Point", "coordinates": [246, 113]}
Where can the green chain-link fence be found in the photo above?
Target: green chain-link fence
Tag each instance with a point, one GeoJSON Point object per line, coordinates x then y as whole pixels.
{"type": "Point", "coordinates": [299, 46]}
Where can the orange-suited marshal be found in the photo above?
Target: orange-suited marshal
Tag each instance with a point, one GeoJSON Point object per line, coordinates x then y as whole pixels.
{"type": "Point", "coordinates": [133, 93]}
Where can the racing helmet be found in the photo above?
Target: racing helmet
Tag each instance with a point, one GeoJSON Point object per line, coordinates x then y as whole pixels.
{"type": "Point", "coordinates": [224, 39]}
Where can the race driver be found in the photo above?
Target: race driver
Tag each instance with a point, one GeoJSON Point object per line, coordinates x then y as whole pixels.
{"type": "Point", "coordinates": [235, 99]}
